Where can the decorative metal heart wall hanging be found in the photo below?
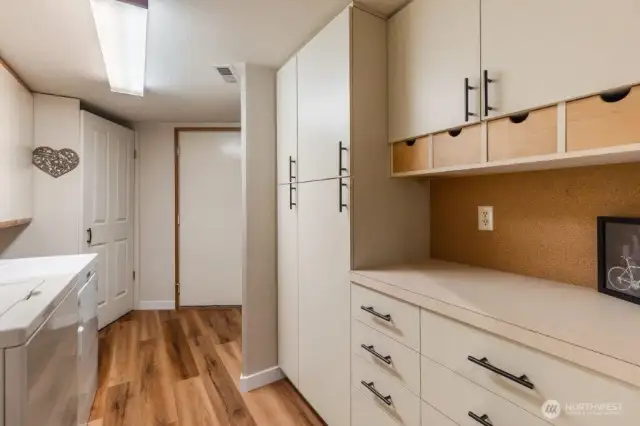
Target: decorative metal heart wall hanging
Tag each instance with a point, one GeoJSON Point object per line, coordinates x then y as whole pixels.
{"type": "Point", "coordinates": [55, 162]}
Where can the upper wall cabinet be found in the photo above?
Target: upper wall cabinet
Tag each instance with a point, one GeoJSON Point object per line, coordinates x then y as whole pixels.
{"type": "Point", "coordinates": [434, 67]}
{"type": "Point", "coordinates": [16, 146]}
{"type": "Point", "coordinates": [324, 112]}
{"type": "Point", "coordinates": [287, 103]}
{"type": "Point", "coordinates": [544, 51]}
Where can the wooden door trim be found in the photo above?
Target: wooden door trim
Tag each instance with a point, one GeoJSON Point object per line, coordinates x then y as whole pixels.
{"type": "Point", "coordinates": [176, 201]}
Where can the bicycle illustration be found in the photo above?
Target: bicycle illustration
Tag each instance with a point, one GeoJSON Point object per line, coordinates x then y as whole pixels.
{"type": "Point", "coordinates": [624, 279]}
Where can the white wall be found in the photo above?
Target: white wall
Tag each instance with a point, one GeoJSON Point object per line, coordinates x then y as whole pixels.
{"type": "Point", "coordinates": [57, 203]}
{"type": "Point", "coordinates": [155, 176]}
{"type": "Point", "coordinates": [260, 305]}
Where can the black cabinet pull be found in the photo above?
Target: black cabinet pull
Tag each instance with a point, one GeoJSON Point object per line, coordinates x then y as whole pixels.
{"type": "Point", "coordinates": [373, 390]}
{"type": "Point", "coordinates": [372, 311]}
{"type": "Point", "coordinates": [487, 80]}
{"type": "Point", "coordinates": [467, 114]}
{"type": "Point", "coordinates": [484, 363]}
{"type": "Point", "coordinates": [291, 163]}
{"type": "Point", "coordinates": [340, 203]}
{"type": "Point", "coordinates": [89, 236]}
{"type": "Point", "coordinates": [483, 419]}
{"type": "Point", "coordinates": [372, 351]}
{"type": "Point", "coordinates": [291, 203]}
{"type": "Point", "coordinates": [341, 149]}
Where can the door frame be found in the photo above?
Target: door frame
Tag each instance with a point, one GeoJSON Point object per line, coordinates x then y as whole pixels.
{"type": "Point", "coordinates": [176, 201]}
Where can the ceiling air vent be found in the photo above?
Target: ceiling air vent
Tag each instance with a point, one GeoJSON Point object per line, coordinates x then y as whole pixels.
{"type": "Point", "coordinates": [227, 74]}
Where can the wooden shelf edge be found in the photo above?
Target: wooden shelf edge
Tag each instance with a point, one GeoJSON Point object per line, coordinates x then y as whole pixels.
{"type": "Point", "coordinates": [593, 157]}
{"type": "Point", "coordinates": [12, 223]}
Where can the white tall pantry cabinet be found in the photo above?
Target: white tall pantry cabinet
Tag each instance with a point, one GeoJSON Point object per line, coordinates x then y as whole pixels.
{"type": "Point", "coordinates": [337, 207]}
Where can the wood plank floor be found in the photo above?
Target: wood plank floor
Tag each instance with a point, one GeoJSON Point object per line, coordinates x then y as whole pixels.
{"type": "Point", "coordinates": [169, 368]}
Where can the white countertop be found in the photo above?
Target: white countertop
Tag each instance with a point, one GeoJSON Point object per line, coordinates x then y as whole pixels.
{"type": "Point", "coordinates": [20, 269]}
{"type": "Point", "coordinates": [578, 324]}
{"type": "Point", "coordinates": [51, 279]}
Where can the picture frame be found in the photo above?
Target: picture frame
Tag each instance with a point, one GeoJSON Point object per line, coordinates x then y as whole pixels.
{"type": "Point", "coordinates": [619, 257]}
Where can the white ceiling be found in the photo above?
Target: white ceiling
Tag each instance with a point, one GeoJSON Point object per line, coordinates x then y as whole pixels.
{"type": "Point", "coordinates": [53, 46]}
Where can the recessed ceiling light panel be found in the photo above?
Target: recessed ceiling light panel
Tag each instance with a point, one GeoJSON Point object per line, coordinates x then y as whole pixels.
{"type": "Point", "coordinates": [122, 31]}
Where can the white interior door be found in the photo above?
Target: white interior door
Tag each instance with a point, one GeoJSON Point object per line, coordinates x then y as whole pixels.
{"type": "Point", "coordinates": [210, 212]}
{"type": "Point", "coordinates": [108, 173]}
{"type": "Point", "coordinates": [324, 262]}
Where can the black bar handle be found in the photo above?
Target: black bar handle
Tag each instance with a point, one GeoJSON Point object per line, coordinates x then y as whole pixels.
{"type": "Point", "coordinates": [89, 236]}
{"type": "Point", "coordinates": [341, 205]}
{"type": "Point", "coordinates": [484, 420]}
{"type": "Point", "coordinates": [372, 351]}
{"type": "Point", "coordinates": [487, 80]}
{"type": "Point", "coordinates": [340, 167]}
{"type": "Point", "coordinates": [484, 363]}
{"type": "Point", "coordinates": [467, 114]}
{"type": "Point", "coordinates": [291, 163]}
{"type": "Point", "coordinates": [291, 203]}
{"type": "Point", "coordinates": [386, 399]}
{"type": "Point", "coordinates": [373, 312]}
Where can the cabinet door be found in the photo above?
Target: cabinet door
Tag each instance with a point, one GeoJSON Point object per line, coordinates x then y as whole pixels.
{"type": "Point", "coordinates": [545, 51]}
{"type": "Point", "coordinates": [287, 104]}
{"type": "Point", "coordinates": [324, 102]}
{"type": "Point", "coordinates": [16, 146]}
{"type": "Point", "coordinates": [324, 262]}
{"type": "Point", "coordinates": [5, 141]}
{"type": "Point", "coordinates": [288, 282]}
{"type": "Point", "coordinates": [434, 45]}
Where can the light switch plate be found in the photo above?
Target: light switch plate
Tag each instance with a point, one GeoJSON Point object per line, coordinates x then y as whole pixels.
{"type": "Point", "coordinates": [485, 218]}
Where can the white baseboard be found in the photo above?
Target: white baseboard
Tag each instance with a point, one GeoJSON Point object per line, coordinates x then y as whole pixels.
{"type": "Point", "coordinates": [156, 305]}
{"type": "Point", "coordinates": [261, 378]}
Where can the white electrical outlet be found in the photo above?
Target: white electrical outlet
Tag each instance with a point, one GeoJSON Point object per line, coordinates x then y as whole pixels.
{"type": "Point", "coordinates": [485, 218]}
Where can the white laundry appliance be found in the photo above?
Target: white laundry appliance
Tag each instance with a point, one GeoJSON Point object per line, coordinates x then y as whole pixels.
{"type": "Point", "coordinates": [48, 340]}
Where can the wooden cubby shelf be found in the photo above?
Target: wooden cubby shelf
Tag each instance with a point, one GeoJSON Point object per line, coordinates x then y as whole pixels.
{"type": "Point", "coordinates": [596, 130]}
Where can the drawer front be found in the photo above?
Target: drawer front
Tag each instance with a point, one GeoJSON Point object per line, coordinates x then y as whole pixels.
{"type": "Point", "coordinates": [411, 156]}
{"type": "Point", "coordinates": [450, 343]}
{"type": "Point", "coordinates": [604, 121]}
{"type": "Point", "coordinates": [432, 417]}
{"type": "Point", "coordinates": [523, 135]}
{"type": "Point", "coordinates": [396, 319]}
{"type": "Point", "coordinates": [398, 361]}
{"type": "Point", "coordinates": [403, 406]}
{"type": "Point", "coordinates": [458, 148]}
{"type": "Point", "coordinates": [365, 413]}
{"type": "Point", "coordinates": [456, 397]}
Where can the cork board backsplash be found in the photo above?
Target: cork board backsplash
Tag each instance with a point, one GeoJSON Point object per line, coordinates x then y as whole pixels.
{"type": "Point", "coordinates": [545, 221]}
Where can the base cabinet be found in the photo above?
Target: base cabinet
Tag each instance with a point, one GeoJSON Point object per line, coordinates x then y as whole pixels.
{"type": "Point", "coordinates": [324, 263]}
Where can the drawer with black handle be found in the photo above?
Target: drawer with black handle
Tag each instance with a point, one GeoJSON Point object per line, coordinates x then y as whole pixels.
{"type": "Point", "coordinates": [395, 400]}
{"type": "Point", "coordinates": [392, 317]}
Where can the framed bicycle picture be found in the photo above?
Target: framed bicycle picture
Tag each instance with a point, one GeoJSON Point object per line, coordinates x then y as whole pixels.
{"type": "Point", "coordinates": [619, 257]}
